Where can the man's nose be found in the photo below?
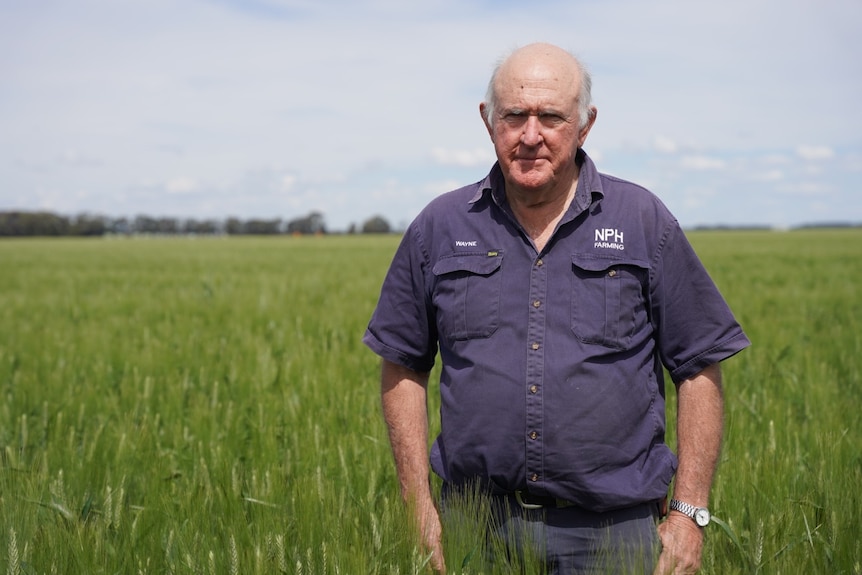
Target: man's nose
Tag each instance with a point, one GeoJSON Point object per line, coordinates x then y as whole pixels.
{"type": "Point", "coordinates": [532, 134]}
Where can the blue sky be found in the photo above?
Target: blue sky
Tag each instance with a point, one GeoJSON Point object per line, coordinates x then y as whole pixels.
{"type": "Point", "coordinates": [733, 112]}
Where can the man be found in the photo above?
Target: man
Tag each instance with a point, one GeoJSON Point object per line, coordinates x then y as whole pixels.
{"type": "Point", "coordinates": [555, 295]}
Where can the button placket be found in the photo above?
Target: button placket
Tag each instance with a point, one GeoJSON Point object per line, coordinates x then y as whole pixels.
{"type": "Point", "coordinates": [535, 371]}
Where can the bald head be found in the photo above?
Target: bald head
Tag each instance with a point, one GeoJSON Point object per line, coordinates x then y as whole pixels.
{"type": "Point", "coordinates": [515, 70]}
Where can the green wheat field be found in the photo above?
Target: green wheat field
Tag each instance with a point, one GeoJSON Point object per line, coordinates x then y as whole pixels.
{"type": "Point", "coordinates": [206, 406]}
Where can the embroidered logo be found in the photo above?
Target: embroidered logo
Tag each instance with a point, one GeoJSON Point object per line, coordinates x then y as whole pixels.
{"type": "Point", "coordinates": [609, 238]}
{"type": "Point", "coordinates": [462, 244]}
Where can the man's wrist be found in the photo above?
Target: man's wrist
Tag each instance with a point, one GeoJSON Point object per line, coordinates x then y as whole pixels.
{"type": "Point", "coordinates": [700, 515]}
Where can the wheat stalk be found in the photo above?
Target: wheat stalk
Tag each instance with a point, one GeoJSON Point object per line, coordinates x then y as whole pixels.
{"type": "Point", "coordinates": [14, 568]}
{"type": "Point", "coordinates": [234, 556]}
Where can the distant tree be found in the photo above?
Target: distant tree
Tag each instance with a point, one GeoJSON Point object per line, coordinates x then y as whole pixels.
{"type": "Point", "coordinates": [88, 225]}
{"type": "Point", "coordinates": [120, 226]}
{"type": "Point", "coordinates": [311, 224]}
{"type": "Point", "coordinates": [193, 226]}
{"type": "Point", "coordinates": [33, 224]}
{"type": "Point", "coordinates": [234, 226]}
{"type": "Point", "coordinates": [263, 227]}
{"type": "Point", "coordinates": [145, 225]}
{"type": "Point", "coordinates": [168, 225]}
{"type": "Point", "coordinates": [376, 225]}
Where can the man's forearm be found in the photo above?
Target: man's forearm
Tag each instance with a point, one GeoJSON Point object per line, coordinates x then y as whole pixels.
{"type": "Point", "coordinates": [403, 396]}
{"type": "Point", "coordinates": [700, 415]}
{"type": "Point", "coordinates": [700, 419]}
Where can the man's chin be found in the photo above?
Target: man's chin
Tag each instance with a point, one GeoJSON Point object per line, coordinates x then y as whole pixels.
{"type": "Point", "coordinates": [531, 181]}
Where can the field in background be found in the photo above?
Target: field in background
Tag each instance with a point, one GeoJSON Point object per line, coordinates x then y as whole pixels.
{"type": "Point", "coordinates": [206, 406]}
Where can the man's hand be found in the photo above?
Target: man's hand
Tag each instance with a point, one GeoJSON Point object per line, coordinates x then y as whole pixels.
{"type": "Point", "coordinates": [430, 533]}
{"type": "Point", "coordinates": [682, 545]}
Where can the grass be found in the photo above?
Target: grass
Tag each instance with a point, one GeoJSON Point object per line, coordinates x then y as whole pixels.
{"type": "Point", "coordinates": [206, 406]}
{"type": "Point", "coordinates": [792, 460]}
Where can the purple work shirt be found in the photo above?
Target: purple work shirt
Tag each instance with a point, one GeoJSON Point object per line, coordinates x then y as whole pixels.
{"type": "Point", "coordinates": [552, 376]}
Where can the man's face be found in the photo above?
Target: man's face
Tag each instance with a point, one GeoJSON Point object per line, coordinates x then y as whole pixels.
{"type": "Point", "coordinates": [535, 129]}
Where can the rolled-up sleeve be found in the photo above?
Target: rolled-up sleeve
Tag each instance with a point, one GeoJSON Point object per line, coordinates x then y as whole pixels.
{"type": "Point", "coordinates": [402, 329]}
{"type": "Point", "coordinates": [695, 326]}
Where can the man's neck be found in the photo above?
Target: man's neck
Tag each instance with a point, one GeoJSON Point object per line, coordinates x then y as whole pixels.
{"type": "Point", "coordinates": [540, 213]}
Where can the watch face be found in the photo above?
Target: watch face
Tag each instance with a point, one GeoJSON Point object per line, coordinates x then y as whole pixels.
{"type": "Point", "coordinates": [701, 516]}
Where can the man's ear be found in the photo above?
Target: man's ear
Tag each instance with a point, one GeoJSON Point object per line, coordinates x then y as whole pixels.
{"type": "Point", "coordinates": [483, 111]}
{"type": "Point", "coordinates": [584, 131]}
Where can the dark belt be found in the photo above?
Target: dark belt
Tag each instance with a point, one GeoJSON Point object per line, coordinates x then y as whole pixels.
{"type": "Point", "coordinates": [530, 501]}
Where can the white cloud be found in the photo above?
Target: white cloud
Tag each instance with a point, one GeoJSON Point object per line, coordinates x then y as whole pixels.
{"type": "Point", "coordinates": [804, 189]}
{"type": "Point", "coordinates": [181, 185]}
{"type": "Point", "coordinates": [702, 163]}
{"type": "Point", "coordinates": [775, 159]}
{"type": "Point", "coordinates": [462, 158]}
{"type": "Point", "coordinates": [389, 190]}
{"type": "Point", "coordinates": [441, 187]}
{"type": "Point", "coordinates": [815, 152]}
{"type": "Point", "coordinates": [853, 163]}
{"type": "Point", "coordinates": [287, 182]}
{"type": "Point", "coordinates": [75, 158]}
{"type": "Point", "coordinates": [768, 176]}
{"type": "Point", "coordinates": [694, 197]}
{"type": "Point", "coordinates": [665, 145]}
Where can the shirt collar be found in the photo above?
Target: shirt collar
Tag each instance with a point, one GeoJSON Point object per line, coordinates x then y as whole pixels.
{"type": "Point", "coordinates": [589, 183]}
{"type": "Point", "coordinates": [493, 183]}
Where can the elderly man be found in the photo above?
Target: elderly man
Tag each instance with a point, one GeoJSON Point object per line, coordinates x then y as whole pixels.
{"type": "Point", "coordinates": [555, 295]}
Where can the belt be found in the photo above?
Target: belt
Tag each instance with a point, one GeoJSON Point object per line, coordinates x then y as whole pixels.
{"type": "Point", "coordinates": [530, 501]}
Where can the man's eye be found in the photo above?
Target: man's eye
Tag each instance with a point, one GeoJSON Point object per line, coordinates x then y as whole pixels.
{"type": "Point", "coordinates": [551, 119]}
{"type": "Point", "coordinates": [514, 117]}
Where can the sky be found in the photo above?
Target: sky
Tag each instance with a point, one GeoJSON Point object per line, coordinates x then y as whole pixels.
{"type": "Point", "coordinates": [733, 113]}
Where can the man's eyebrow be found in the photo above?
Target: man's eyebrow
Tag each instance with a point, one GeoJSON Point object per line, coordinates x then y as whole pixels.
{"type": "Point", "coordinates": [539, 112]}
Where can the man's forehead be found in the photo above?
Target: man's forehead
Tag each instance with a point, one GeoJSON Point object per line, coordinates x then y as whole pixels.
{"type": "Point", "coordinates": [539, 76]}
{"type": "Point", "coordinates": [551, 93]}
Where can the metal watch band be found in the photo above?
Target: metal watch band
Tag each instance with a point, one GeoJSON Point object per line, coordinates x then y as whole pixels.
{"type": "Point", "coordinates": [683, 507]}
{"type": "Point", "coordinates": [699, 515]}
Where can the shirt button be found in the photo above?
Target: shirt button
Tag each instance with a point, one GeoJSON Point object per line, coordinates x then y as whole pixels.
{"type": "Point", "coordinates": [534, 388]}
{"type": "Point", "coordinates": [540, 263]}
{"type": "Point", "coordinates": [537, 303]}
{"type": "Point", "coordinates": [612, 273]}
{"type": "Point", "coordinates": [533, 435]}
{"type": "Point", "coordinates": [534, 477]}
{"type": "Point", "coordinates": [535, 346]}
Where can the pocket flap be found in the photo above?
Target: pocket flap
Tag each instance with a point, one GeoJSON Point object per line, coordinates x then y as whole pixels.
{"type": "Point", "coordinates": [594, 263]}
{"type": "Point", "coordinates": [484, 263]}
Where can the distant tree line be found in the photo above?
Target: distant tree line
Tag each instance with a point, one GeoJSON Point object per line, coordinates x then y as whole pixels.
{"type": "Point", "coordinates": [21, 223]}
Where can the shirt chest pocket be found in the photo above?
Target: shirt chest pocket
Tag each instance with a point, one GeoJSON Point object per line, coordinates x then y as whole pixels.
{"type": "Point", "coordinates": [467, 294]}
{"type": "Point", "coordinates": [608, 301]}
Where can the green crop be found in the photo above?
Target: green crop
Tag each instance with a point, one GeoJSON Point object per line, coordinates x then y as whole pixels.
{"type": "Point", "coordinates": [178, 405]}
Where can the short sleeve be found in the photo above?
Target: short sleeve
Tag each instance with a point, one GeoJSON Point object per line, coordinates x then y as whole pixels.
{"type": "Point", "coordinates": [694, 325]}
{"type": "Point", "coordinates": [401, 329]}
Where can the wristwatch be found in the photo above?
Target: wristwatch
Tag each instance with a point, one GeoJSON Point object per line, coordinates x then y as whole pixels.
{"type": "Point", "coordinates": [700, 515]}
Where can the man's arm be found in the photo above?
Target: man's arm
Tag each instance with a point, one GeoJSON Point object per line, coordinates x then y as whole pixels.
{"type": "Point", "coordinates": [700, 419]}
{"type": "Point", "coordinates": [404, 396]}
